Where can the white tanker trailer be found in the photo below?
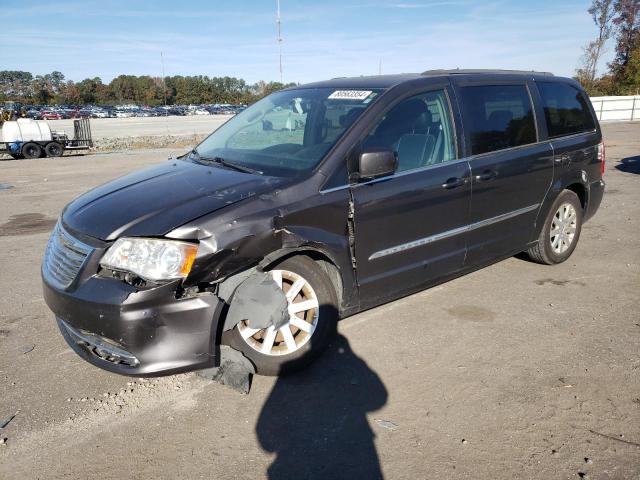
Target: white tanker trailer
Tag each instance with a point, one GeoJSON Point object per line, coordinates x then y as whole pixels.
{"type": "Point", "coordinates": [26, 138]}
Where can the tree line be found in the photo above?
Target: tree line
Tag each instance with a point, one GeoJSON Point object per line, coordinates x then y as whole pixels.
{"type": "Point", "coordinates": [53, 88]}
{"type": "Point", "coordinates": [618, 20]}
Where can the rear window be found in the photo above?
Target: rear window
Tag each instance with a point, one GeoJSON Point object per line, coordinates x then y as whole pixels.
{"type": "Point", "coordinates": [565, 109]}
{"type": "Point", "coordinates": [498, 117]}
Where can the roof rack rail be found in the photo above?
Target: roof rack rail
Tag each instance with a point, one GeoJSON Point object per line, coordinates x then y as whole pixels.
{"type": "Point", "coordinates": [462, 71]}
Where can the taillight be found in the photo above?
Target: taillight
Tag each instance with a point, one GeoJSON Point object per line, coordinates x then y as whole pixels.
{"type": "Point", "coordinates": [601, 156]}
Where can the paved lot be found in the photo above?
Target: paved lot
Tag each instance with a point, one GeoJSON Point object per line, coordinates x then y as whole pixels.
{"type": "Point", "coordinates": [141, 126]}
{"type": "Point", "coordinates": [514, 371]}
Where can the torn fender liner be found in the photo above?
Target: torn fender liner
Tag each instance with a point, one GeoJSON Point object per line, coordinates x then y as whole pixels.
{"type": "Point", "coordinates": [257, 299]}
{"type": "Point", "coordinates": [235, 370]}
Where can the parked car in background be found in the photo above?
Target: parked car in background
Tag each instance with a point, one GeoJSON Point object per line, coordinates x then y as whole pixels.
{"type": "Point", "coordinates": [54, 112]}
{"type": "Point", "coordinates": [34, 114]}
{"type": "Point", "coordinates": [67, 113]}
{"type": "Point", "coordinates": [50, 115]}
{"type": "Point", "coordinates": [123, 113]}
{"type": "Point", "coordinates": [99, 113]}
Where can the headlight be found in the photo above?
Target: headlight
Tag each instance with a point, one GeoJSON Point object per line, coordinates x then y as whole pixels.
{"type": "Point", "coordinates": [150, 258]}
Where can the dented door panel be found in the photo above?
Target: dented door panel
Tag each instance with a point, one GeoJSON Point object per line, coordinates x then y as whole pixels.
{"type": "Point", "coordinates": [410, 229]}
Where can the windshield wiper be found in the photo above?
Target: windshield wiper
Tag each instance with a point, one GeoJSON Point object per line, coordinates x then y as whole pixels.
{"type": "Point", "coordinates": [224, 163]}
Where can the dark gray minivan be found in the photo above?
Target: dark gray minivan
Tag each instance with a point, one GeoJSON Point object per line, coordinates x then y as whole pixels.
{"type": "Point", "coordinates": [318, 202]}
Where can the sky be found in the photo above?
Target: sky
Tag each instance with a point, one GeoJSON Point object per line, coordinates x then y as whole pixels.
{"type": "Point", "coordinates": [321, 39]}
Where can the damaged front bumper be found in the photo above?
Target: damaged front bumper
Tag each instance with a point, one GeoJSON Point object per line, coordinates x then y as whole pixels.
{"type": "Point", "coordinates": [131, 331]}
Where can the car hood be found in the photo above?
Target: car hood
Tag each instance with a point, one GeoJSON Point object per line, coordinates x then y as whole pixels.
{"type": "Point", "coordinates": [154, 201]}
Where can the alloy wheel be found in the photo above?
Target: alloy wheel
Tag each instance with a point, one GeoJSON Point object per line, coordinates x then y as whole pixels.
{"type": "Point", "coordinates": [304, 312]}
{"type": "Point", "coordinates": [563, 228]}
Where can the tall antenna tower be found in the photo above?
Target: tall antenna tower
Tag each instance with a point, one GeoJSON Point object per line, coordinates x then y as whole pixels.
{"type": "Point", "coordinates": [164, 92]}
{"type": "Point", "coordinates": [164, 85]}
{"type": "Point", "coordinates": [279, 38]}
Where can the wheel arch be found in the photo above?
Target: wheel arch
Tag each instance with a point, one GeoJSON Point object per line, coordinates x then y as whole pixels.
{"type": "Point", "coordinates": [575, 181]}
{"type": "Point", "coordinates": [581, 191]}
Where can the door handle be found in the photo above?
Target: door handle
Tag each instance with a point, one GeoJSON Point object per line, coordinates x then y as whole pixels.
{"type": "Point", "coordinates": [563, 159]}
{"type": "Point", "coordinates": [486, 175]}
{"type": "Point", "coordinates": [454, 182]}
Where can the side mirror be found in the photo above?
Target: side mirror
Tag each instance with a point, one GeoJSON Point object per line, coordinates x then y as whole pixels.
{"type": "Point", "coordinates": [377, 163]}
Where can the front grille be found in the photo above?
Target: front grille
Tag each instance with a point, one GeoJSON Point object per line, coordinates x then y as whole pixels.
{"type": "Point", "coordinates": [63, 258]}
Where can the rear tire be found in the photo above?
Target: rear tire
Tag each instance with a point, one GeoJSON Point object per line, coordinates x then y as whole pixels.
{"type": "Point", "coordinates": [31, 150]}
{"type": "Point", "coordinates": [287, 355]}
{"type": "Point", "coordinates": [54, 149]}
{"type": "Point", "coordinates": [560, 232]}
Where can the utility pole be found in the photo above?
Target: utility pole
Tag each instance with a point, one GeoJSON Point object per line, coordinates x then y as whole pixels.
{"type": "Point", "coordinates": [164, 86]}
{"type": "Point", "coordinates": [164, 93]}
{"type": "Point", "coordinates": [279, 38]}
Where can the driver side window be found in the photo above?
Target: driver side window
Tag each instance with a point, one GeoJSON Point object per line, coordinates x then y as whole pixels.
{"type": "Point", "coordinates": [418, 129]}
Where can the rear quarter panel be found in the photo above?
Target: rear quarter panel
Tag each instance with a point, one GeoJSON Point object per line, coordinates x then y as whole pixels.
{"type": "Point", "coordinates": [575, 156]}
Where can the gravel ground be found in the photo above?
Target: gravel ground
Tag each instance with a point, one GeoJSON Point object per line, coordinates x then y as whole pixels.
{"type": "Point", "coordinates": [514, 371]}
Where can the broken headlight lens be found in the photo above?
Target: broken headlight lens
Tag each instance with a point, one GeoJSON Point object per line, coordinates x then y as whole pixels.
{"type": "Point", "coordinates": [151, 258]}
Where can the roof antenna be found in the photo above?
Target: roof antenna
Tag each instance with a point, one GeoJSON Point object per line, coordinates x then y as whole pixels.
{"type": "Point", "coordinates": [380, 67]}
{"type": "Point", "coordinates": [279, 38]}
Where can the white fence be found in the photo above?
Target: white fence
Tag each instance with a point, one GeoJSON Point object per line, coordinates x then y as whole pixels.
{"type": "Point", "coordinates": [617, 108]}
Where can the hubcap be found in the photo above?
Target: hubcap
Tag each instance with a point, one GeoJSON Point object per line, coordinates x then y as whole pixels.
{"type": "Point", "coordinates": [303, 318]}
{"type": "Point", "coordinates": [563, 228]}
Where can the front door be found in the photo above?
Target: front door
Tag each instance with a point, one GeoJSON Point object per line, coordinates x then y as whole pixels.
{"type": "Point", "coordinates": [409, 227]}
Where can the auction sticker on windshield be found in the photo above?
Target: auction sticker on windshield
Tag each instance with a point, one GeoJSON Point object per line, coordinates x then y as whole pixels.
{"type": "Point", "coordinates": [350, 94]}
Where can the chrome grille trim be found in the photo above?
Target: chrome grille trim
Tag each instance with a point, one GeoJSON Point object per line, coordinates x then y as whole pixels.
{"type": "Point", "coordinates": [63, 258]}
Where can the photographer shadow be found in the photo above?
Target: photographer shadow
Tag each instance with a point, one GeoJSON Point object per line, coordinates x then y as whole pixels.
{"type": "Point", "coordinates": [316, 421]}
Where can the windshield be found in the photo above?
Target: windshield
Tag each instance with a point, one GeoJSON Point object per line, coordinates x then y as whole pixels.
{"type": "Point", "coordinates": [288, 132]}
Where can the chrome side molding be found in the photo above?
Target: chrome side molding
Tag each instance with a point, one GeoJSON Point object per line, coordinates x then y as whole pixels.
{"type": "Point", "coordinates": [450, 233]}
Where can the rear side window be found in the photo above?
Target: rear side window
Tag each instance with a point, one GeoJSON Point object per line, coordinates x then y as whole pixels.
{"type": "Point", "coordinates": [565, 109]}
{"type": "Point", "coordinates": [498, 117]}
